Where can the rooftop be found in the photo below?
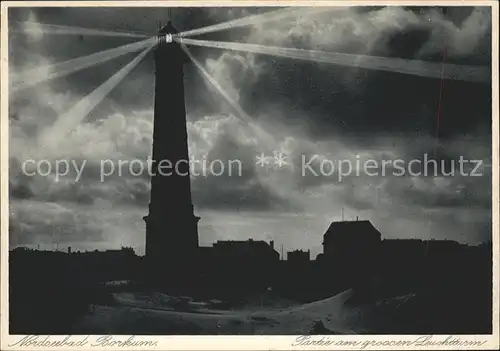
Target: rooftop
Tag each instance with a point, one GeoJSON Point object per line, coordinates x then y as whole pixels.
{"type": "Point", "coordinates": [351, 227]}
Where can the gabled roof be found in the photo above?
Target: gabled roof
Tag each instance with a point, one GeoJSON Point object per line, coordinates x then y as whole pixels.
{"type": "Point", "coordinates": [242, 244]}
{"type": "Point", "coordinates": [349, 227]}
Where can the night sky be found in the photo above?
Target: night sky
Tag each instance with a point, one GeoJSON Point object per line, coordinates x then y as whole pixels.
{"type": "Point", "coordinates": [307, 107]}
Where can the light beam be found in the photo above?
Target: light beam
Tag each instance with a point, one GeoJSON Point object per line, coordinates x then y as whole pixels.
{"type": "Point", "coordinates": [389, 64]}
{"type": "Point", "coordinates": [35, 27]}
{"type": "Point", "coordinates": [253, 20]}
{"type": "Point", "coordinates": [266, 139]}
{"type": "Point", "coordinates": [248, 121]}
{"type": "Point", "coordinates": [69, 120]}
{"type": "Point", "coordinates": [34, 76]}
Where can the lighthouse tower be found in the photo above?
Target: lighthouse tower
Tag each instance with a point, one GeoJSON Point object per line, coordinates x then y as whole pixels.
{"type": "Point", "coordinates": [171, 226]}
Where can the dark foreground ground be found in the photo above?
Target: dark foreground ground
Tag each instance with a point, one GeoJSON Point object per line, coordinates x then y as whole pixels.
{"type": "Point", "coordinates": [50, 296]}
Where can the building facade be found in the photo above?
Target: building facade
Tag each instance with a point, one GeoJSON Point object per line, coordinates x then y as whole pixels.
{"type": "Point", "coordinates": [298, 256]}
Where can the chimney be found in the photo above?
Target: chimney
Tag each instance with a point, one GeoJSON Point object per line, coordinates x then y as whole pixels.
{"type": "Point", "coordinates": [271, 243]}
{"type": "Point", "coordinates": [357, 218]}
{"type": "Point", "coordinates": [69, 249]}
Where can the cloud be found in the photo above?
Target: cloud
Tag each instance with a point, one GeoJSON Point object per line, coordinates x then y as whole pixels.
{"type": "Point", "coordinates": [49, 225]}
{"type": "Point", "coordinates": [34, 222]}
{"type": "Point", "coordinates": [368, 32]}
{"type": "Point", "coordinates": [336, 97]}
{"type": "Point", "coordinates": [470, 38]}
{"type": "Point", "coordinates": [117, 141]}
{"type": "Point", "coordinates": [222, 70]}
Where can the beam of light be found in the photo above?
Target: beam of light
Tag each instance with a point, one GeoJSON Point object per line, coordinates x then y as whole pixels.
{"type": "Point", "coordinates": [266, 139]}
{"type": "Point", "coordinates": [69, 120]}
{"type": "Point", "coordinates": [254, 20]}
{"type": "Point", "coordinates": [35, 27]}
{"type": "Point", "coordinates": [389, 64]}
{"type": "Point", "coordinates": [262, 135]}
{"type": "Point", "coordinates": [37, 75]}
{"type": "Point", "coordinates": [440, 100]}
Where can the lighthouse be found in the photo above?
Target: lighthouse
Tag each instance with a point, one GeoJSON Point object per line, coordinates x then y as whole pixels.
{"type": "Point", "coordinates": [171, 225]}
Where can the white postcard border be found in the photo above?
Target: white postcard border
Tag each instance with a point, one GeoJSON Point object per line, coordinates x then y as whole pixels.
{"type": "Point", "coordinates": [244, 342]}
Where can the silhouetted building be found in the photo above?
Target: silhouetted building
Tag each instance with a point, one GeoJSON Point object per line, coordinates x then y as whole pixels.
{"type": "Point", "coordinates": [402, 249]}
{"type": "Point", "coordinates": [298, 256]}
{"type": "Point", "coordinates": [404, 257]}
{"type": "Point", "coordinates": [99, 265]}
{"type": "Point", "coordinates": [244, 266]}
{"type": "Point", "coordinates": [412, 250]}
{"type": "Point", "coordinates": [250, 251]}
{"type": "Point", "coordinates": [350, 250]}
{"type": "Point", "coordinates": [171, 226]}
{"type": "Point", "coordinates": [239, 264]}
{"type": "Point", "coordinates": [436, 246]}
{"type": "Point", "coordinates": [350, 238]}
